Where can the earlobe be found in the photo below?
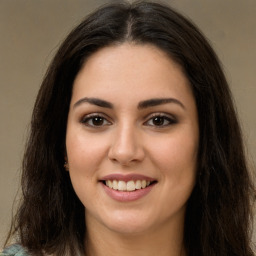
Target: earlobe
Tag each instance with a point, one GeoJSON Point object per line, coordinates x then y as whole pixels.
{"type": "Point", "coordinates": [66, 165]}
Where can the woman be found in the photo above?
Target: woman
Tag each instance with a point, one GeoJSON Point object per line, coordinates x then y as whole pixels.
{"type": "Point", "coordinates": [134, 145]}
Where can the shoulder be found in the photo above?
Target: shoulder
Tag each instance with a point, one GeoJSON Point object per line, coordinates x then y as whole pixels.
{"type": "Point", "coordinates": [14, 250]}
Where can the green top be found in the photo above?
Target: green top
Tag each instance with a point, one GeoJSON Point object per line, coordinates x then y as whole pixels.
{"type": "Point", "coordinates": [14, 250]}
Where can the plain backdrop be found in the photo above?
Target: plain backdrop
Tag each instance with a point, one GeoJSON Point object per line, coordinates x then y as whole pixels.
{"type": "Point", "coordinates": [31, 31]}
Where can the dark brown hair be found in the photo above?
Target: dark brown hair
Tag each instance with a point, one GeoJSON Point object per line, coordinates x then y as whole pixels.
{"type": "Point", "coordinates": [51, 218]}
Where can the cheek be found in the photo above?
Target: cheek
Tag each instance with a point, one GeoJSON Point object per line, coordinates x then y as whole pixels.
{"type": "Point", "coordinates": [176, 159]}
{"type": "Point", "coordinates": [82, 160]}
{"type": "Point", "coordinates": [82, 165]}
{"type": "Point", "coordinates": [84, 152]}
{"type": "Point", "coordinates": [178, 151]}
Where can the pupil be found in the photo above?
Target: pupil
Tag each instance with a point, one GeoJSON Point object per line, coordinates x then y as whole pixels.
{"type": "Point", "coordinates": [97, 121]}
{"type": "Point", "coordinates": [158, 121]}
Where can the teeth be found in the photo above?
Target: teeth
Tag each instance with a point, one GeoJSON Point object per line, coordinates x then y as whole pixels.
{"type": "Point", "coordinates": [127, 186]}
{"type": "Point", "coordinates": [138, 184]}
{"type": "Point", "coordinates": [130, 186]}
{"type": "Point", "coordinates": [121, 185]}
{"type": "Point", "coordinates": [109, 183]}
{"type": "Point", "coordinates": [115, 184]}
{"type": "Point", "coordinates": [143, 184]}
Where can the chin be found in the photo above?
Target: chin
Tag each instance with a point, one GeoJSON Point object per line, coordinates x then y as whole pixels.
{"type": "Point", "coordinates": [127, 224]}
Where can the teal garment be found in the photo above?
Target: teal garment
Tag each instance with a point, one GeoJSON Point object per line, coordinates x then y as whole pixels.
{"type": "Point", "coordinates": [14, 250]}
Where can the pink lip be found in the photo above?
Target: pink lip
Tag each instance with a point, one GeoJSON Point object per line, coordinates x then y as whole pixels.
{"type": "Point", "coordinates": [127, 177]}
{"type": "Point", "coordinates": [125, 196]}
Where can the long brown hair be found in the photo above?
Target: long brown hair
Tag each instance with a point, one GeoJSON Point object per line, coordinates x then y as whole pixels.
{"type": "Point", "coordinates": [51, 218]}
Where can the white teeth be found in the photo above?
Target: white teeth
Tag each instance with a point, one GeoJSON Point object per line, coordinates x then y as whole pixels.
{"type": "Point", "coordinates": [115, 184]}
{"type": "Point", "coordinates": [143, 184]}
{"type": "Point", "coordinates": [121, 185]}
{"type": "Point", "coordinates": [127, 186]}
{"type": "Point", "coordinates": [138, 184]}
{"type": "Point", "coordinates": [109, 183]}
{"type": "Point", "coordinates": [130, 186]}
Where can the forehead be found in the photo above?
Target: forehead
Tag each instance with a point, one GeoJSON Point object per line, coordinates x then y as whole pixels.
{"type": "Point", "coordinates": [131, 70]}
{"type": "Point", "coordinates": [130, 57]}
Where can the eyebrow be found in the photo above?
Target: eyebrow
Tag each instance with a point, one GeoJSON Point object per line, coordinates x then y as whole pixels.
{"type": "Point", "coordinates": [142, 105]}
{"type": "Point", "coordinates": [158, 101]}
{"type": "Point", "coordinates": [94, 101]}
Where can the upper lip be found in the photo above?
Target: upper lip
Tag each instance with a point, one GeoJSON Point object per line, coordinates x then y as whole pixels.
{"type": "Point", "coordinates": [127, 177]}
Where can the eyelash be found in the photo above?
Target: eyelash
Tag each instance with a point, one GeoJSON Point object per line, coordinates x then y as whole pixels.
{"type": "Point", "coordinates": [89, 118]}
{"type": "Point", "coordinates": [165, 120]}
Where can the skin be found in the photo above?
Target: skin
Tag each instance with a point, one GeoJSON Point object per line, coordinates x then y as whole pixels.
{"type": "Point", "coordinates": [126, 140]}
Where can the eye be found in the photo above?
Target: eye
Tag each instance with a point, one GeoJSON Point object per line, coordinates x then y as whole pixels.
{"type": "Point", "coordinates": [160, 120]}
{"type": "Point", "coordinates": [95, 121]}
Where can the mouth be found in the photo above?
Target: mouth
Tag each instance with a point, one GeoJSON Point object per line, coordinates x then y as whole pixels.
{"type": "Point", "coordinates": [128, 182]}
{"type": "Point", "coordinates": [128, 186]}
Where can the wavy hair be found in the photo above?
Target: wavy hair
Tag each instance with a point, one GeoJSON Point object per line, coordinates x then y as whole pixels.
{"type": "Point", "coordinates": [51, 218]}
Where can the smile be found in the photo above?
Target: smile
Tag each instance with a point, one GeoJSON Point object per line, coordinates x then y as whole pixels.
{"type": "Point", "coordinates": [130, 185]}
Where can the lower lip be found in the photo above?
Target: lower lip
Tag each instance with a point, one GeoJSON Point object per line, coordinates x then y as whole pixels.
{"type": "Point", "coordinates": [127, 196]}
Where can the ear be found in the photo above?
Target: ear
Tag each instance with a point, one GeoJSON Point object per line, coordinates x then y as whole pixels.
{"type": "Point", "coordinates": [66, 165]}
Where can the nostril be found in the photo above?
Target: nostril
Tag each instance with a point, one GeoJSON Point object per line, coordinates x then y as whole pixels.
{"type": "Point", "coordinates": [126, 151]}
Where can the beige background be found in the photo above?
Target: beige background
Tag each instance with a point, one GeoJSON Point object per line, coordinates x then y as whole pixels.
{"type": "Point", "coordinates": [31, 30]}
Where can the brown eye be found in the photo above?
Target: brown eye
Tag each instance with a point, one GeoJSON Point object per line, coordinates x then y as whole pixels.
{"type": "Point", "coordinates": [95, 121]}
{"type": "Point", "coordinates": [160, 121]}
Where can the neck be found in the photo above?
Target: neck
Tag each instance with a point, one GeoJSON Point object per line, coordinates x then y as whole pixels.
{"type": "Point", "coordinates": [163, 241]}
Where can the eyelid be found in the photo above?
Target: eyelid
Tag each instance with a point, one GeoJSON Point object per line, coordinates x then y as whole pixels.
{"type": "Point", "coordinates": [171, 118]}
{"type": "Point", "coordinates": [87, 117]}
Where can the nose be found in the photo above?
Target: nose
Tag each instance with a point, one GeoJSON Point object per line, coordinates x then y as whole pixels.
{"type": "Point", "coordinates": [126, 147]}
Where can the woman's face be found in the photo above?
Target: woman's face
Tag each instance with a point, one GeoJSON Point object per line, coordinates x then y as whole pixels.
{"type": "Point", "coordinates": [132, 139]}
